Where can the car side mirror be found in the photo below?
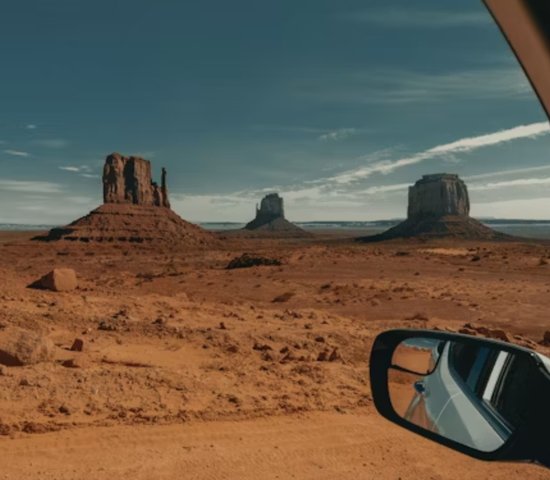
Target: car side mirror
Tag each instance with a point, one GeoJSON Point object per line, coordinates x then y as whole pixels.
{"type": "Point", "coordinates": [484, 398]}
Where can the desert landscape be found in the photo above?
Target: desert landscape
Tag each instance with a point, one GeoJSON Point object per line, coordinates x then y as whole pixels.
{"type": "Point", "coordinates": [237, 355]}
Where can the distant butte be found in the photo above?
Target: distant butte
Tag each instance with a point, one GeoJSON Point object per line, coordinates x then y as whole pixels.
{"type": "Point", "coordinates": [135, 209]}
{"type": "Point", "coordinates": [439, 206]}
{"type": "Point", "coordinates": [270, 218]}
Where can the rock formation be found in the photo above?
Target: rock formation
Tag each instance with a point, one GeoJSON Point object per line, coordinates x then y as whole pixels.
{"type": "Point", "coordinates": [439, 206]}
{"type": "Point", "coordinates": [135, 209]}
{"type": "Point", "coordinates": [438, 195]}
{"type": "Point", "coordinates": [270, 218]}
{"type": "Point", "coordinates": [128, 180]}
{"type": "Point", "coordinates": [271, 207]}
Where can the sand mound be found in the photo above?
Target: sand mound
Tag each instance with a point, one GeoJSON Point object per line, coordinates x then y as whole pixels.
{"type": "Point", "coordinates": [451, 226]}
{"type": "Point", "coordinates": [131, 223]}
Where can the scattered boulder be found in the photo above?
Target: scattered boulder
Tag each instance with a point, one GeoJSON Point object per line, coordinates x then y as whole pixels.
{"type": "Point", "coordinates": [23, 347]}
{"type": "Point", "coordinates": [546, 339]}
{"type": "Point", "coordinates": [247, 261]}
{"type": "Point", "coordinates": [58, 280]}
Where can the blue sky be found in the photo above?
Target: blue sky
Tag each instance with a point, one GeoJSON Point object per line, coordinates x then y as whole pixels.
{"type": "Point", "coordinates": [338, 105]}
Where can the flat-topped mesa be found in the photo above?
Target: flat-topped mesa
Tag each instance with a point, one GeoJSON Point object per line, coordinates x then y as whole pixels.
{"type": "Point", "coordinates": [128, 180]}
{"type": "Point", "coordinates": [271, 207]}
{"type": "Point", "coordinates": [438, 207]}
{"type": "Point", "coordinates": [437, 196]}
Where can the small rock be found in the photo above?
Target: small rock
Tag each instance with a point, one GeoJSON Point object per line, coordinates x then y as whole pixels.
{"type": "Point", "coordinates": [78, 345]}
{"type": "Point", "coordinates": [64, 410]}
{"type": "Point", "coordinates": [80, 362]}
{"type": "Point", "coordinates": [323, 356]}
{"type": "Point", "coordinates": [334, 356]}
{"type": "Point", "coordinates": [285, 297]}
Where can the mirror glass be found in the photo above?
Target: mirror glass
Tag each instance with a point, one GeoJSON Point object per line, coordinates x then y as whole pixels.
{"type": "Point", "coordinates": [467, 392]}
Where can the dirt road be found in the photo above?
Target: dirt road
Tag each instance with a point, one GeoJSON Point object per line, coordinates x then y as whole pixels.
{"type": "Point", "coordinates": [316, 446]}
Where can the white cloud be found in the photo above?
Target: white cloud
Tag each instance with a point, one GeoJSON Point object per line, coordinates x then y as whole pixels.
{"type": "Point", "coordinates": [76, 169]}
{"type": "Point", "coordinates": [514, 171]}
{"type": "Point", "coordinates": [52, 143]}
{"type": "Point", "coordinates": [337, 135]}
{"type": "Point", "coordinates": [518, 182]}
{"type": "Point", "coordinates": [464, 145]}
{"type": "Point", "coordinates": [418, 18]}
{"type": "Point", "coordinates": [29, 186]}
{"type": "Point", "coordinates": [70, 168]}
{"type": "Point", "coordinates": [17, 153]}
{"type": "Point", "coordinates": [89, 175]}
{"type": "Point", "coordinates": [30, 126]}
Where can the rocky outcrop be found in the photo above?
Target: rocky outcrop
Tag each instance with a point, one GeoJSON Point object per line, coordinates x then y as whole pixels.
{"type": "Point", "coordinates": [437, 196]}
{"type": "Point", "coordinates": [270, 219]}
{"type": "Point", "coordinates": [128, 180]}
{"type": "Point", "coordinates": [439, 206]}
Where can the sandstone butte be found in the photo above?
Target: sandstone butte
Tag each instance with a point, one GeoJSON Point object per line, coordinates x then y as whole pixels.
{"type": "Point", "coordinates": [270, 219]}
{"type": "Point", "coordinates": [439, 206]}
{"type": "Point", "coordinates": [135, 209]}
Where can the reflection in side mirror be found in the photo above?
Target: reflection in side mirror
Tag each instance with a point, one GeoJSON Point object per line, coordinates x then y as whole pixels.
{"type": "Point", "coordinates": [478, 396]}
{"type": "Point", "coordinates": [466, 397]}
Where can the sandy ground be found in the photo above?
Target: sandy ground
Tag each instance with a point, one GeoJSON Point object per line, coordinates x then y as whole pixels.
{"type": "Point", "coordinates": [189, 367]}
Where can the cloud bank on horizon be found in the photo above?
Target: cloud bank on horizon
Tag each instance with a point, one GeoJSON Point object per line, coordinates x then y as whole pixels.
{"type": "Point", "coordinates": [338, 106]}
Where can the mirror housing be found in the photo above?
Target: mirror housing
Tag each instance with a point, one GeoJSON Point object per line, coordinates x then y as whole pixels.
{"type": "Point", "coordinates": [529, 439]}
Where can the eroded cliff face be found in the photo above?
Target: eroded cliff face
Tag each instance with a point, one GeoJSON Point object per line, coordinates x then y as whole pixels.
{"type": "Point", "coordinates": [271, 207]}
{"type": "Point", "coordinates": [128, 180]}
{"type": "Point", "coordinates": [438, 195]}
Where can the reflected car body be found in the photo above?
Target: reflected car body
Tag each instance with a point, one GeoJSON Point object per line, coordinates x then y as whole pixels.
{"type": "Point", "coordinates": [462, 403]}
